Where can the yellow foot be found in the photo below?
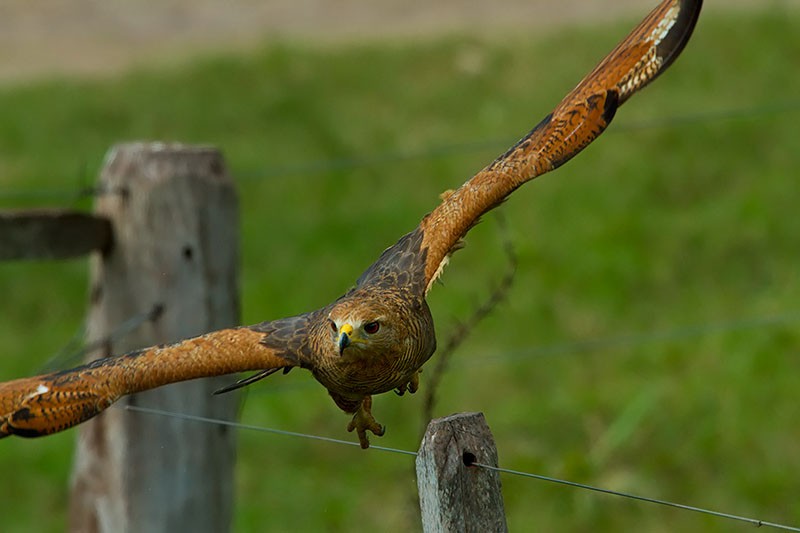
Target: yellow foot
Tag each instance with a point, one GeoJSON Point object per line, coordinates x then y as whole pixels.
{"type": "Point", "coordinates": [363, 421]}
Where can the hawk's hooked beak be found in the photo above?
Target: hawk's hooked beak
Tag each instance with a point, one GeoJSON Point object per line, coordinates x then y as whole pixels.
{"type": "Point", "coordinates": [344, 337]}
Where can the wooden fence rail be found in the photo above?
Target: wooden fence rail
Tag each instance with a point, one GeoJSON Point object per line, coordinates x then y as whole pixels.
{"type": "Point", "coordinates": [51, 234]}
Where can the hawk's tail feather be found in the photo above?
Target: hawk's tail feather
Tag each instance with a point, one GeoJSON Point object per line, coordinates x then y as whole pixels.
{"type": "Point", "coordinates": [249, 380]}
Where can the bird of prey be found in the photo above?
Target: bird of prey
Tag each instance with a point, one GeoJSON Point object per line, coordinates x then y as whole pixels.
{"type": "Point", "coordinates": [376, 337]}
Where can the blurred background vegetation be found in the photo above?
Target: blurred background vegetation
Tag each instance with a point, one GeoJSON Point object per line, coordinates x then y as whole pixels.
{"type": "Point", "coordinates": [650, 341]}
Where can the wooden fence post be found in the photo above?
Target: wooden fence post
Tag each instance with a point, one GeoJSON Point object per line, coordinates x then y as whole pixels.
{"type": "Point", "coordinates": [173, 211]}
{"type": "Point", "coordinates": [452, 495]}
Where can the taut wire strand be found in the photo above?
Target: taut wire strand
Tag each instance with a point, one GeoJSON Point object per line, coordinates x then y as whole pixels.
{"type": "Point", "coordinates": [573, 484]}
{"type": "Point", "coordinates": [445, 150]}
{"type": "Point", "coordinates": [753, 521]}
{"type": "Point", "coordinates": [229, 423]}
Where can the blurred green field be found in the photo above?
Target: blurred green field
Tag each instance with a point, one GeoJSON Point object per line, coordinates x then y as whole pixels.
{"type": "Point", "coordinates": [650, 343]}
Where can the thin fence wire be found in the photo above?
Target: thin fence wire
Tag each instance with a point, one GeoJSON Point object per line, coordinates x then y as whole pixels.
{"type": "Point", "coordinates": [582, 486]}
{"type": "Point", "coordinates": [627, 495]}
{"type": "Point", "coordinates": [640, 339]}
{"type": "Point", "coordinates": [324, 166]}
{"type": "Point", "coordinates": [73, 352]}
{"type": "Point", "coordinates": [712, 115]}
{"type": "Point", "coordinates": [630, 341]}
{"type": "Point", "coordinates": [249, 427]}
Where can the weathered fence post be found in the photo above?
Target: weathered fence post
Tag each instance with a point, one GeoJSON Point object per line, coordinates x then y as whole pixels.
{"type": "Point", "coordinates": [452, 495]}
{"type": "Point", "coordinates": [173, 211]}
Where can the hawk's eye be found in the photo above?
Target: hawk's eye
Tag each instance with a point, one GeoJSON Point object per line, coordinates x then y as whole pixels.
{"type": "Point", "coordinates": [333, 326]}
{"type": "Point", "coordinates": [372, 327]}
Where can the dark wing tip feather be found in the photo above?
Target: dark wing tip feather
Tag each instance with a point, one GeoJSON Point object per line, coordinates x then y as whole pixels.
{"type": "Point", "coordinates": [673, 43]}
{"type": "Point", "coordinates": [670, 25]}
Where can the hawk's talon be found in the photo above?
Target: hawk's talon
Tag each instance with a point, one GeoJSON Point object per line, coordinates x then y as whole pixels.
{"type": "Point", "coordinates": [363, 421]}
{"type": "Point", "coordinates": [411, 387]}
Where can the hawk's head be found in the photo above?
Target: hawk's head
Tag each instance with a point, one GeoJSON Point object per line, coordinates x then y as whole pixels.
{"type": "Point", "coordinates": [378, 336]}
{"type": "Point", "coordinates": [366, 324]}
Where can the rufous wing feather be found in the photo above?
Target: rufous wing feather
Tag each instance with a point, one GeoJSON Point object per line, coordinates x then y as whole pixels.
{"type": "Point", "coordinates": [42, 405]}
{"type": "Point", "coordinates": [579, 119]}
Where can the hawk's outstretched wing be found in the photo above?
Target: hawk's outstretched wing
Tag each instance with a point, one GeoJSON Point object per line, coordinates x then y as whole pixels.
{"type": "Point", "coordinates": [41, 405]}
{"type": "Point", "coordinates": [580, 117]}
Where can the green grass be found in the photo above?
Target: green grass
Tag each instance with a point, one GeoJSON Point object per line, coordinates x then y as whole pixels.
{"type": "Point", "coordinates": [671, 228]}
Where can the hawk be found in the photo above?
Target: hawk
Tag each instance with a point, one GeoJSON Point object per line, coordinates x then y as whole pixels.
{"type": "Point", "coordinates": [377, 336]}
